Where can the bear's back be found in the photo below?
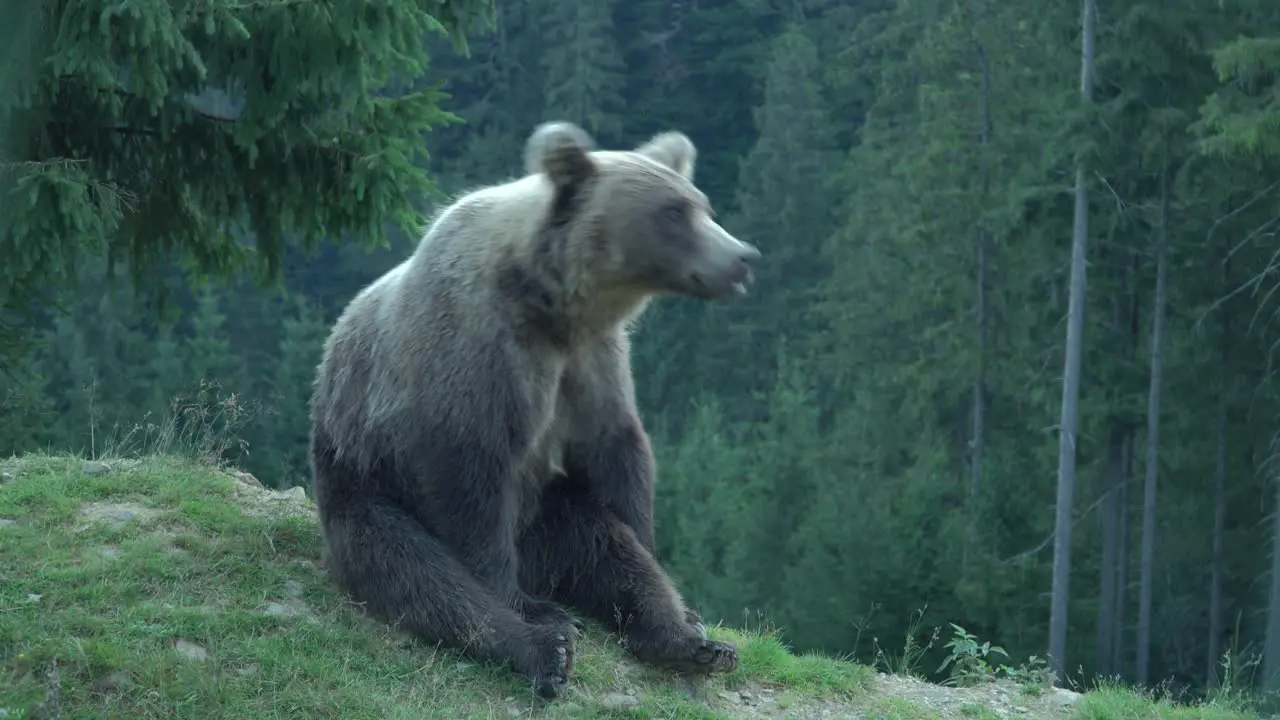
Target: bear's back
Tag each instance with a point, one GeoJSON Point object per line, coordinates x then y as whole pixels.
{"type": "Point", "coordinates": [429, 320]}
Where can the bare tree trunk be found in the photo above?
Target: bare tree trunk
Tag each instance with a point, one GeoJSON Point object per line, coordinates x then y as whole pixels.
{"type": "Point", "coordinates": [1119, 655]}
{"type": "Point", "coordinates": [980, 381]}
{"type": "Point", "coordinates": [1061, 592]}
{"type": "Point", "coordinates": [1271, 645]}
{"type": "Point", "coordinates": [1122, 560]}
{"type": "Point", "coordinates": [1107, 591]}
{"type": "Point", "coordinates": [1110, 594]}
{"type": "Point", "coordinates": [1219, 497]}
{"type": "Point", "coordinates": [1147, 567]}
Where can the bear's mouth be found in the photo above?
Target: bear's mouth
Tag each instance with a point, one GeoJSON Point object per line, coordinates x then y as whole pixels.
{"type": "Point", "coordinates": [722, 288]}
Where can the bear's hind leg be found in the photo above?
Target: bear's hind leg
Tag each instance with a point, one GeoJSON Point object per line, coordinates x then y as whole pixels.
{"type": "Point", "coordinates": [387, 560]}
{"type": "Point", "coordinates": [579, 553]}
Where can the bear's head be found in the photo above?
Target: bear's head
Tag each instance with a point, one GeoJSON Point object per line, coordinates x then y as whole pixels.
{"type": "Point", "coordinates": [637, 214]}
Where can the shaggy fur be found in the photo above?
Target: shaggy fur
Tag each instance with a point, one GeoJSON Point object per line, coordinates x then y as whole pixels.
{"type": "Point", "coordinates": [479, 462]}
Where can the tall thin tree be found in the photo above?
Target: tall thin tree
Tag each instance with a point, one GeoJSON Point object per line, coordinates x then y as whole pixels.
{"type": "Point", "coordinates": [1146, 568]}
{"type": "Point", "coordinates": [1071, 380]}
{"type": "Point", "coordinates": [1219, 492]}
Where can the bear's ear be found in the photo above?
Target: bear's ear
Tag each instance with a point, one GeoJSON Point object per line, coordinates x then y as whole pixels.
{"type": "Point", "coordinates": [562, 151]}
{"type": "Point", "coordinates": [673, 149]}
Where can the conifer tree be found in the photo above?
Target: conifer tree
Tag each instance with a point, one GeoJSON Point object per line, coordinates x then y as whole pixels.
{"type": "Point", "coordinates": [26, 410]}
{"type": "Point", "coordinates": [167, 372]}
{"type": "Point", "coordinates": [583, 67]}
{"type": "Point", "coordinates": [210, 134]}
{"type": "Point", "coordinates": [785, 203]}
{"type": "Point", "coordinates": [301, 344]}
{"type": "Point", "coordinates": [212, 368]}
{"type": "Point", "coordinates": [1243, 118]}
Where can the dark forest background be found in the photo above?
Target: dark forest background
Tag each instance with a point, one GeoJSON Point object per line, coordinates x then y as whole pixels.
{"type": "Point", "coordinates": [868, 445]}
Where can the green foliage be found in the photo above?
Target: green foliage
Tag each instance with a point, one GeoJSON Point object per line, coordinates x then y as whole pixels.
{"type": "Point", "coordinates": [584, 71]}
{"type": "Point", "coordinates": [287, 438]}
{"type": "Point", "coordinates": [157, 132]}
{"type": "Point", "coordinates": [970, 664]}
{"type": "Point", "coordinates": [968, 658]}
{"type": "Point", "coordinates": [816, 439]}
{"type": "Point", "coordinates": [1243, 118]}
{"type": "Point", "coordinates": [207, 356]}
{"type": "Point", "coordinates": [906, 662]}
{"type": "Point", "coordinates": [1111, 702]}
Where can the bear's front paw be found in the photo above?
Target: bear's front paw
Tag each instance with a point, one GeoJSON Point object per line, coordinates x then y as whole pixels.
{"type": "Point", "coordinates": [549, 660]}
{"type": "Point", "coordinates": [704, 657]}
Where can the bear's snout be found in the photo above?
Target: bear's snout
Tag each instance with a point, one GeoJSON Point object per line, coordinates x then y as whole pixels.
{"type": "Point", "coordinates": [747, 262]}
{"type": "Point", "coordinates": [726, 266]}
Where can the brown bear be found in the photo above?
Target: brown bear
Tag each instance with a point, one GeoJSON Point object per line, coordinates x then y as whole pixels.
{"type": "Point", "coordinates": [480, 466]}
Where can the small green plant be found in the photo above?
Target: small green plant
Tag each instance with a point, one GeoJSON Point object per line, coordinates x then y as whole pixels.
{"type": "Point", "coordinates": [1231, 690]}
{"type": "Point", "coordinates": [205, 428]}
{"type": "Point", "coordinates": [968, 658]}
{"type": "Point", "coordinates": [1033, 676]}
{"type": "Point", "coordinates": [979, 712]}
{"type": "Point", "coordinates": [906, 664]}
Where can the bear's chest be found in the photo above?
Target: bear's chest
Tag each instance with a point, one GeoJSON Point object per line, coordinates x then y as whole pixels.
{"type": "Point", "coordinates": [550, 424]}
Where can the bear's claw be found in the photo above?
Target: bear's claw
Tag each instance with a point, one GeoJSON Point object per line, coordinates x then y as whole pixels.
{"type": "Point", "coordinates": [694, 656]}
{"type": "Point", "coordinates": [694, 620]}
{"type": "Point", "coordinates": [706, 657]}
{"type": "Point", "coordinates": [554, 666]}
{"type": "Point", "coordinates": [552, 663]}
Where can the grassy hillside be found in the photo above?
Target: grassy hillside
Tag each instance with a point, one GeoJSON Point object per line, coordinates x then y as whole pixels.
{"type": "Point", "coordinates": [162, 588]}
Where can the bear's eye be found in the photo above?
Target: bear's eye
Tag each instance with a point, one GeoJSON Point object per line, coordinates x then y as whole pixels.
{"type": "Point", "coordinates": [675, 213]}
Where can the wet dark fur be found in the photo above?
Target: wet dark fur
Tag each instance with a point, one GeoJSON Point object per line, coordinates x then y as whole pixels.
{"type": "Point", "coordinates": [435, 526]}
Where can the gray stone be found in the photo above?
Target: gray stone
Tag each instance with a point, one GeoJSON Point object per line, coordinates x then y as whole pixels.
{"type": "Point", "coordinates": [620, 701]}
{"type": "Point", "coordinates": [190, 651]}
{"type": "Point", "coordinates": [95, 467]}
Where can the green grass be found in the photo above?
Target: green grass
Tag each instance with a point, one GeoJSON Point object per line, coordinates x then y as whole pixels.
{"type": "Point", "coordinates": [99, 610]}
{"type": "Point", "coordinates": [106, 605]}
{"type": "Point", "coordinates": [1110, 702]}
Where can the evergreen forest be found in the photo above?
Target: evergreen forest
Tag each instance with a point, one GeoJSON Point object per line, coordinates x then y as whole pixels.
{"type": "Point", "coordinates": [1010, 361]}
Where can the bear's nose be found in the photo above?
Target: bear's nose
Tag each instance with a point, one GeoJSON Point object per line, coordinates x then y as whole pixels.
{"type": "Point", "coordinates": [749, 255]}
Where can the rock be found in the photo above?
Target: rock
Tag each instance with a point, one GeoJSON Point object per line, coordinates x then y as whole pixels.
{"type": "Point", "coordinates": [116, 514]}
{"type": "Point", "coordinates": [619, 701]}
{"type": "Point", "coordinates": [6, 522]}
{"type": "Point", "coordinates": [246, 478]}
{"type": "Point", "coordinates": [1062, 697]}
{"type": "Point", "coordinates": [94, 467]}
{"type": "Point", "coordinates": [190, 651]}
{"type": "Point", "coordinates": [286, 609]}
{"type": "Point", "coordinates": [294, 493]}
{"type": "Point", "coordinates": [7, 477]}
{"type": "Point", "coordinates": [275, 608]}
{"type": "Point", "coordinates": [113, 682]}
